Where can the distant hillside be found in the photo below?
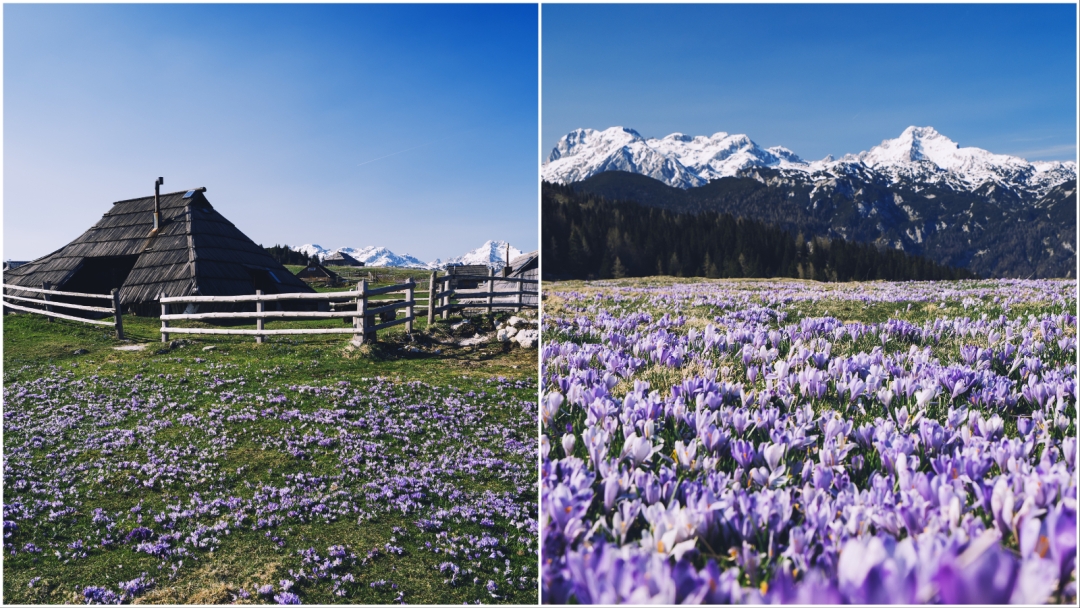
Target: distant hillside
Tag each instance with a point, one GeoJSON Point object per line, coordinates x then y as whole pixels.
{"type": "Point", "coordinates": [986, 232]}
{"type": "Point", "coordinates": [994, 214]}
{"type": "Point", "coordinates": [587, 236]}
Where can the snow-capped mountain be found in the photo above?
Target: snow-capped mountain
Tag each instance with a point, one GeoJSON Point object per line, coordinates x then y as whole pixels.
{"type": "Point", "coordinates": [491, 253]}
{"type": "Point", "coordinates": [920, 156]}
{"type": "Point", "coordinates": [586, 152]}
{"type": "Point", "coordinates": [370, 256]}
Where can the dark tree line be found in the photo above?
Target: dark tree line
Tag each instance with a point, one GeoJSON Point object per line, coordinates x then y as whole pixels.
{"type": "Point", "coordinates": [284, 255]}
{"type": "Point", "coordinates": [588, 237]}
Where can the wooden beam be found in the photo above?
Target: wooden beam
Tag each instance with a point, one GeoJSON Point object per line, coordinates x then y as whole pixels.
{"type": "Point", "coordinates": [55, 314]}
{"type": "Point", "coordinates": [59, 293]}
{"type": "Point", "coordinates": [255, 332]}
{"type": "Point", "coordinates": [260, 323]}
{"type": "Point", "coordinates": [409, 303]}
{"type": "Point", "coordinates": [117, 317]}
{"type": "Point", "coordinates": [431, 300]}
{"type": "Point", "coordinates": [266, 314]}
{"type": "Point", "coordinates": [273, 297]}
{"type": "Point", "coordinates": [61, 304]}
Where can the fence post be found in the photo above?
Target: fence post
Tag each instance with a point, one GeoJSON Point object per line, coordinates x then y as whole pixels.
{"type": "Point", "coordinates": [47, 285]}
{"type": "Point", "coordinates": [410, 286]}
{"type": "Point", "coordinates": [520, 294]}
{"type": "Point", "coordinates": [447, 284]}
{"type": "Point", "coordinates": [431, 300]}
{"type": "Point", "coordinates": [361, 310]}
{"type": "Point", "coordinates": [117, 315]}
{"type": "Point", "coordinates": [259, 321]}
{"type": "Point", "coordinates": [490, 286]}
{"type": "Point", "coordinates": [164, 322]}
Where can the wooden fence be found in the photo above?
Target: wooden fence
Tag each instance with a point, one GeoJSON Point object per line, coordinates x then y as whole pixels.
{"type": "Point", "coordinates": [46, 304]}
{"type": "Point", "coordinates": [359, 305]}
{"type": "Point", "coordinates": [442, 290]}
{"type": "Point", "coordinates": [363, 313]}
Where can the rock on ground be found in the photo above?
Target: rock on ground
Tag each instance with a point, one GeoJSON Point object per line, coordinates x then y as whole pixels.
{"type": "Point", "coordinates": [527, 338]}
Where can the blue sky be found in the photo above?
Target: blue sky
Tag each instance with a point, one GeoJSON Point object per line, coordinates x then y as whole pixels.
{"type": "Point", "coordinates": [409, 127]}
{"type": "Point", "coordinates": [827, 79]}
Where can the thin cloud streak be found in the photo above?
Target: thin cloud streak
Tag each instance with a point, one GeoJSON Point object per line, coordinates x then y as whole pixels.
{"type": "Point", "coordinates": [1062, 152]}
{"type": "Point", "coordinates": [435, 141]}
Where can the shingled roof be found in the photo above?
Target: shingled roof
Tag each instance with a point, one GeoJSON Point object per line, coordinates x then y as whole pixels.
{"type": "Point", "coordinates": [196, 252]}
{"type": "Point", "coordinates": [340, 258]}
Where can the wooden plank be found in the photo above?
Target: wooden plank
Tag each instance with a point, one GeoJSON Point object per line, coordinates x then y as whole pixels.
{"type": "Point", "coordinates": [58, 293]}
{"type": "Point", "coordinates": [46, 286]}
{"type": "Point", "coordinates": [255, 332]}
{"type": "Point", "coordinates": [482, 279]}
{"type": "Point", "coordinates": [273, 297]}
{"type": "Point", "coordinates": [445, 295]}
{"type": "Point", "coordinates": [482, 295]}
{"type": "Point", "coordinates": [490, 288]}
{"type": "Point", "coordinates": [387, 308]}
{"type": "Point", "coordinates": [117, 317]}
{"type": "Point", "coordinates": [391, 323]}
{"type": "Point", "coordinates": [361, 312]}
{"type": "Point", "coordinates": [409, 301]}
{"type": "Point", "coordinates": [496, 305]}
{"type": "Point", "coordinates": [56, 314]}
{"type": "Point", "coordinates": [260, 324]}
{"type": "Point", "coordinates": [383, 290]}
{"type": "Point", "coordinates": [53, 303]}
{"type": "Point", "coordinates": [266, 314]}
{"type": "Point", "coordinates": [164, 321]}
{"type": "Point", "coordinates": [431, 300]}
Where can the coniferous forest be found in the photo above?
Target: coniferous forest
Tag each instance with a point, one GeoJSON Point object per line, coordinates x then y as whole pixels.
{"type": "Point", "coordinates": [588, 237]}
{"type": "Point", "coordinates": [284, 255]}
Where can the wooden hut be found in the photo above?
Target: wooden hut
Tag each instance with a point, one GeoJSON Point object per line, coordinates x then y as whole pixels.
{"type": "Point", "coordinates": [339, 258]}
{"type": "Point", "coordinates": [468, 276]}
{"type": "Point", "coordinates": [188, 249]}
{"type": "Point", "coordinates": [315, 272]}
{"type": "Point", "coordinates": [524, 266]}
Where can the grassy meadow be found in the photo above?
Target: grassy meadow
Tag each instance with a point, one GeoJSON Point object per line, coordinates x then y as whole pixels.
{"type": "Point", "coordinates": [303, 470]}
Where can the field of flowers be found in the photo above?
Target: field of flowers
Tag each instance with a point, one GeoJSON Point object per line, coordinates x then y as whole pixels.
{"type": "Point", "coordinates": [278, 473]}
{"type": "Point", "coordinates": [787, 441]}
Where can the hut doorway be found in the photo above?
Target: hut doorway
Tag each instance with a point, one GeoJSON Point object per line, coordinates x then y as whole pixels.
{"type": "Point", "coordinates": [265, 280]}
{"type": "Point", "coordinates": [102, 274]}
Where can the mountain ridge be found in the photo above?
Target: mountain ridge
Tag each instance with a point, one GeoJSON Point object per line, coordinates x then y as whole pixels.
{"type": "Point", "coordinates": [920, 156]}
{"type": "Point", "coordinates": [491, 253]}
{"type": "Point", "coordinates": [990, 234]}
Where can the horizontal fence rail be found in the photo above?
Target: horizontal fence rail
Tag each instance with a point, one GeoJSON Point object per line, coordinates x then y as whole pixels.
{"type": "Point", "coordinates": [442, 291]}
{"type": "Point", "coordinates": [47, 303]}
{"type": "Point", "coordinates": [359, 305]}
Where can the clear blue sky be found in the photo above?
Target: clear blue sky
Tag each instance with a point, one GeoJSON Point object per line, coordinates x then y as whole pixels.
{"type": "Point", "coordinates": [281, 112]}
{"type": "Point", "coordinates": [826, 79]}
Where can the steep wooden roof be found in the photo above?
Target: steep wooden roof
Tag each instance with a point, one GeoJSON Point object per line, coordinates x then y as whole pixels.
{"type": "Point", "coordinates": [340, 258]}
{"type": "Point", "coordinates": [524, 262]}
{"type": "Point", "coordinates": [196, 252]}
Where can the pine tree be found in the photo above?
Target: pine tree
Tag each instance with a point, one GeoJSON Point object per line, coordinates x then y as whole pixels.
{"type": "Point", "coordinates": [618, 270]}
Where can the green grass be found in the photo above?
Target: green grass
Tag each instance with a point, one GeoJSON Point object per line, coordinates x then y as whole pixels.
{"type": "Point", "coordinates": [35, 348]}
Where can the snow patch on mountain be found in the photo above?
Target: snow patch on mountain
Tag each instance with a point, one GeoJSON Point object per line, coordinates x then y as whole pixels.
{"type": "Point", "coordinates": [370, 256]}
{"type": "Point", "coordinates": [492, 253]}
{"type": "Point", "coordinates": [920, 155]}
